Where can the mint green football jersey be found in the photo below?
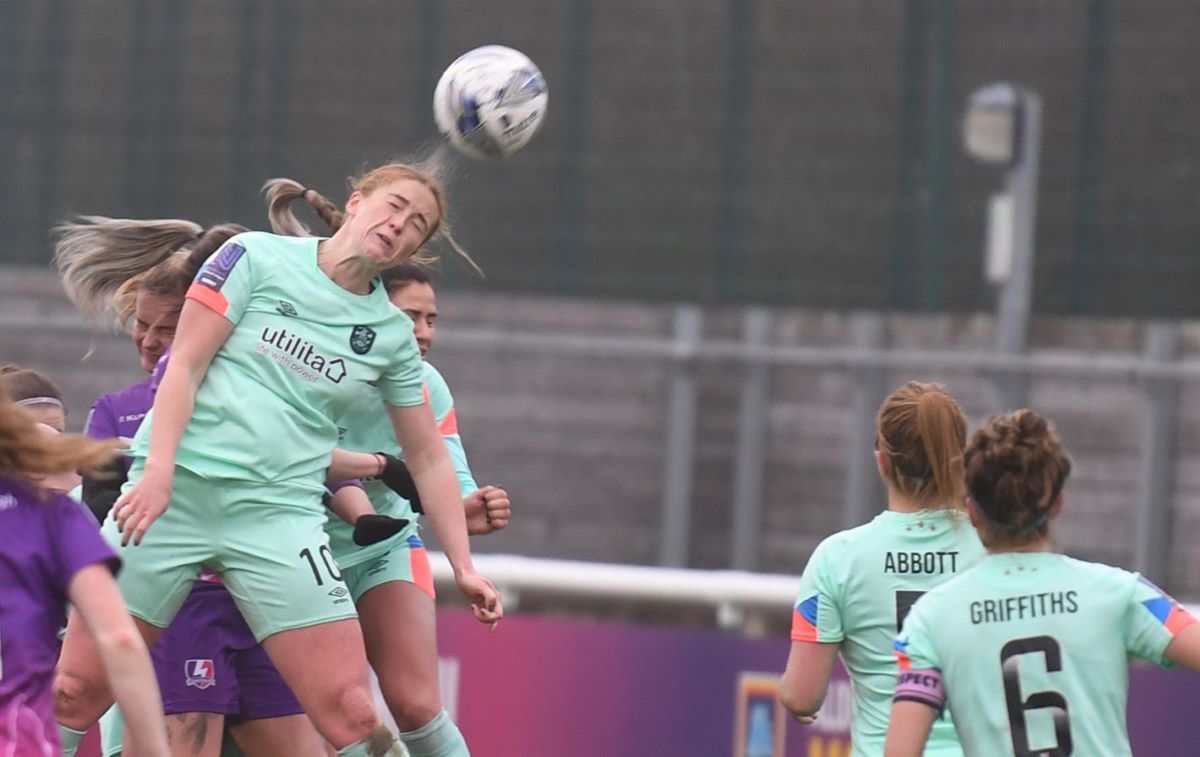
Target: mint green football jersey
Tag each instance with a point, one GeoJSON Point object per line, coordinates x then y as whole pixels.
{"type": "Point", "coordinates": [302, 349]}
{"type": "Point", "coordinates": [856, 590]}
{"type": "Point", "coordinates": [1034, 648]}
{"type": "Point", "coordinates": [365, 427]}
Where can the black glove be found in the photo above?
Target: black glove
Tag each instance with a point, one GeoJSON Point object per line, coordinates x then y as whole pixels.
{"type": "Point", "coordinates": [396, 477]}
{"type": "Point", "coordinates": [369, 529]}
{"type": "Point", "coordinates": [102, 488]}
{"type": "Point", "coordinates": [372, 529]}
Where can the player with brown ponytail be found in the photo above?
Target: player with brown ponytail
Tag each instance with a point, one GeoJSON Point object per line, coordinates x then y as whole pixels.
{"type": "Point", "coordinates": [391, 582]}
{"type": "Point", "coordinates": [859, 584]}
{"type": "Point", "coordinates": [276, 336]}
{"type": "Point", "coordinates": [103, 266]}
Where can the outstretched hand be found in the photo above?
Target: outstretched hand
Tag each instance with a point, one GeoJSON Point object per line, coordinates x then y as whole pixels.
{"type": "Point", "coordinates": [486, 604]}
{"type": "Point", "coordinates": [137, 509]}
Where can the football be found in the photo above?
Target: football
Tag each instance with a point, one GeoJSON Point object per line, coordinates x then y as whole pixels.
{"type": "Point", "coordinates": [490, 101]}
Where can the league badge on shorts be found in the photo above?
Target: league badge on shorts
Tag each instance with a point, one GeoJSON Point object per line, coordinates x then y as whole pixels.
{"type": "Point", "coordinates": [361, 339]}
{"type": "Point", "coordinates": [200, 674]}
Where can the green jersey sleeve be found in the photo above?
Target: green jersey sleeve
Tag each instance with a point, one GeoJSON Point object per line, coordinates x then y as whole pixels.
{"type": "Point", "coordinates": [441, 401]}
{"type": "Point", "coordinates": [1152, 620]}
{"type": "Point", "coordinates": [817, 614]}
{"type": "Point", "coordinates": [401, 385]}
{"type": "Point", "coordinates": [301, 350]}
{"type": "Point", "coordinates": [226, 281]}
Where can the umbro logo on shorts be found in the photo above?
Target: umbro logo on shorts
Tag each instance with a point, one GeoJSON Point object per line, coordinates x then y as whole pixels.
{"type": "Point", "coordinates": [378, 566]}
{"type": "Point", "coordinates": [339, 591]}
{"type": "Point", "coordinates": [200, 674]}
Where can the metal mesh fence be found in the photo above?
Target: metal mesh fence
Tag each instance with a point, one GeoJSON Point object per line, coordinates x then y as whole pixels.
{"type": "Point", "coordinates": [796, 153]}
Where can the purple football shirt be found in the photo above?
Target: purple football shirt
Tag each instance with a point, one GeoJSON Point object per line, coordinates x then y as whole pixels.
{"type": "Point", "coordinates": [46, 541]}
{"type": "Point", "coordinates": [120, 413]}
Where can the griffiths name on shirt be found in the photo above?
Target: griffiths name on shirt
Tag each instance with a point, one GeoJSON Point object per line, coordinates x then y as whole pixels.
{"type": "Point", "coordinates": [1024, 606]}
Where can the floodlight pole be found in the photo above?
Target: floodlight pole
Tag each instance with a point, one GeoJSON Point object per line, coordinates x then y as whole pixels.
{"type": "Point", "coordinates": [1014, 304]}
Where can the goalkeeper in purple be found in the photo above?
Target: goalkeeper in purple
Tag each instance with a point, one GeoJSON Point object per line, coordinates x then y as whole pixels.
{"type": "Point", "coordinates": [277, 336]}
{"type": "Point", "coordinates": [1029, 648]}
{"type": "Point", "coordinates": [49, 554]}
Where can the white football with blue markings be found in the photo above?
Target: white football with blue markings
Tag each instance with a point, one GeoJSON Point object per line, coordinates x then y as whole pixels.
{"type": "Point", "coordinates": [490, 101]}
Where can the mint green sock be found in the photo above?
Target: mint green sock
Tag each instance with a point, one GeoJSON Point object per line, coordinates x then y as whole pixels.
{"type": "Point", "coordinates": [439, 737]}
{"type": "Point", "coordinates": [70, 739]}
{"type": "Point", "coordinates": [381, 743]}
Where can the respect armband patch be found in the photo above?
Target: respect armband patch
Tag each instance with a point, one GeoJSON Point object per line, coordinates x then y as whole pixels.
{"type": "Point", "coordinates": [924, 686]}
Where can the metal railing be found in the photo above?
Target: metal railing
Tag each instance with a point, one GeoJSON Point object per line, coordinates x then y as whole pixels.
{"type": "Point", "coordinates": [731, 594]}
{"type": "Point", "coordinates": [866, 360]}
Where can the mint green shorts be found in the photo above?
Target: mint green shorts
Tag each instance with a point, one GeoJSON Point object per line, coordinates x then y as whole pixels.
{"type": "Point", "coordinates": [267, 542]}
{"type": "Point", "coordinates": [407, 561]}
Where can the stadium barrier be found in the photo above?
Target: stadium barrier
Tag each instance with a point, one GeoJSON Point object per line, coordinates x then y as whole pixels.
{"type": "Point", "coordinates": [545, 686]}
{"type": "Point", "coordinates": [733, 595]}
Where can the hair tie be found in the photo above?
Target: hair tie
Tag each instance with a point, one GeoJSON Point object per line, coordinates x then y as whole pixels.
{"type": "Point", "coordinates": [304, 194]}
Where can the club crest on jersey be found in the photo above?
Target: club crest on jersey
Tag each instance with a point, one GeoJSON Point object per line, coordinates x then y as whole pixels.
{"type": "Point", "coordinates": [217, 270]}
{"type": "Point", "coordinates": [200, 674]}
{"type": "Point", "coordinates": [361, 339]}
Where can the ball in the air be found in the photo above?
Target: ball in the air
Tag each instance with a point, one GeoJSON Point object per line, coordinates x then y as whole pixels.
{"type": "Point", "coordinates": [490, 101]}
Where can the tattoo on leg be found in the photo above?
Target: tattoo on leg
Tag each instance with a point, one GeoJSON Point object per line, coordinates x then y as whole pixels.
{"type": "Point", "coordinates": [195, 728]}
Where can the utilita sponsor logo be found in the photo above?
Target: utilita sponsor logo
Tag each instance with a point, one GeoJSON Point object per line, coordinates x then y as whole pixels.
{"type": "Point", "coordinates": [300, 356]}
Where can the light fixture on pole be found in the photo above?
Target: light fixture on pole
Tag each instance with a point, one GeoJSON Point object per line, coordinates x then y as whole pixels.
{"type": "Point", "coordinates": [1002, 127]}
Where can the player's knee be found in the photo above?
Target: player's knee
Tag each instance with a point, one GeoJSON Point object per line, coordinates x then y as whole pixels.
{"type": "Point", "coordinates": [353, 707]}
{"type": "Point", "coordinates": [77, 698]}
{"type": "Point", "coordinates": [413, 702]}
{"type": "Point", "coordinates": [416, 712]}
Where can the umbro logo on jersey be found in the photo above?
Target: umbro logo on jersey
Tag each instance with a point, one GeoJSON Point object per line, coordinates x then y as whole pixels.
{"type": "Point", "coordinates": [361, 339]}
{"type": "Point", "coordinates": [286, 308]}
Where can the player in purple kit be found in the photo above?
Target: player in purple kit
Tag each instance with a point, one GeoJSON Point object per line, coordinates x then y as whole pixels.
{"type": "Point", "coordinates": [51, 554]}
